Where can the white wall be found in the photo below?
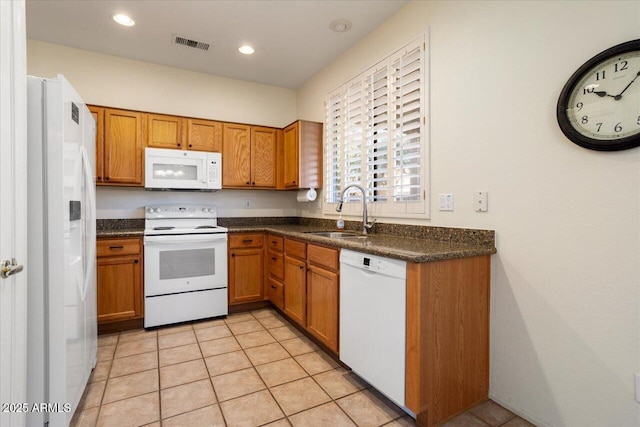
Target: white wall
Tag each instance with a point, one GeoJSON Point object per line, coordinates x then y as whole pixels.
{"type": "Point", "coordinates": [125, 83]}
{"type": "Point", "coordinates": [565, 307]}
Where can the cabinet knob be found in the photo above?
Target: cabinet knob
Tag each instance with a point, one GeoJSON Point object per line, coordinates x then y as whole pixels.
{"type": "Point", "coordinates": [253, 183]}
{"type": "Point", "coordinates": [273, 258]}
{"type": "Point", "coordinates": [106, 178]}
{"type": "Point", "coordinates": [273, 287]}
{"type": "Point", "coordinates": [248, 183]}
{"type": "Point", "coordinates": [301, 267]}
{"type": "Point", "coordinates": [294, 182]}
{"type": "Point", "coordinates": [179, 144]}
{"type": "Point", "coordinates": [190, 145]}
{"type": "Point", "coordinates": [116, 247]}
{"type": "Point", "coordinates": [135, 261]}
{"type": "Point", "coordinates": [247, 241]}
{"type": "Point", "coordinates": [233, 254]}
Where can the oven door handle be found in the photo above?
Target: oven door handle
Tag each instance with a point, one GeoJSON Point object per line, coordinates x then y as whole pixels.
{"type": "Point", "coordinates": [185, 238]}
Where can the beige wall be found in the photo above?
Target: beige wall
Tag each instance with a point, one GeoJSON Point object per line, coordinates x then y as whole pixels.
{"type": "Point", "coordinates": [124, 83]}
{"type": "Point", "coordinates": [565, 306]}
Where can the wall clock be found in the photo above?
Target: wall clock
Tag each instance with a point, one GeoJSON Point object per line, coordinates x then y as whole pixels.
{"type": "Point", "coordinates": [599, 106]}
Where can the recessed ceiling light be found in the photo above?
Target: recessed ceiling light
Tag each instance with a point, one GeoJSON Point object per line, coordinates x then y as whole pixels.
{"type": "Point", "coordinates": [246, 49]}
{"type": "Point", "coordinates": [124, 20]}
{"type": "Point", "coordinates": [340, 25]}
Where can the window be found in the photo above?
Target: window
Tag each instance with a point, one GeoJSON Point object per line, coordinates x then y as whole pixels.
{"type": "Point", "coordinates": [376, 137]}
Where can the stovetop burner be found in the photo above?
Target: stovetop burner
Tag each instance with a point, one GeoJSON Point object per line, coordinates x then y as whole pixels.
{"type": "Point", "coordinates": [181, 219]}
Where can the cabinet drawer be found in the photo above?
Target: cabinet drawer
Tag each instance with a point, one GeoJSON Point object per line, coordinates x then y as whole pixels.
{"type": "Point", "coordinates": [276, 265]}
{"type": "Point", "coordinates": [246, 240]}
{"type": "Point", "coordinates": [276, 293]}
{"type": "Point", "coordinates": [296, 249]}
{"type": "Point", "coordinates": [276, 243]}
{"type": "Point", "coordinates": [323, 257]}
{"type": "Point", "coordinates": [116, 247]}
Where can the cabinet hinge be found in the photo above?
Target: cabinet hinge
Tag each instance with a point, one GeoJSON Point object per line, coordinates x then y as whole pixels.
{"type": "Point", "coordinates": [424, 194]}
{"type": "Point", "coordinates": [424, 46]}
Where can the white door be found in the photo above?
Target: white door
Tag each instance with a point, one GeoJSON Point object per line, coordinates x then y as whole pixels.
{"type": "Point", "coordinates": [13, 205]}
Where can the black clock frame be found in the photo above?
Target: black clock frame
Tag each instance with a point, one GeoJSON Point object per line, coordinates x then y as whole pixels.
{"type": "Point", "coordinates": [567, 128]}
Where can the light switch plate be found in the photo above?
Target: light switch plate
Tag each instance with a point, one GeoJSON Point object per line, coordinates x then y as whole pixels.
{"type": "Point", "coordinates": [446, 202]}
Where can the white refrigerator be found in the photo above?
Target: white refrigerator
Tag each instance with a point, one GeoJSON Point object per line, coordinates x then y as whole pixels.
{"type": "Point", "coordinates": [62, 309]}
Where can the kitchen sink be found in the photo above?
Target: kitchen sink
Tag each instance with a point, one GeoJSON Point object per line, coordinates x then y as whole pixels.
{"type": "Point", "coordinates": [337, 234]}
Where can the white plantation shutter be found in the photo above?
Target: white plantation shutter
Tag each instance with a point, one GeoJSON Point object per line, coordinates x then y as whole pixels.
{"type": "Point", "coordinates": [406, 126]}
{"type": "Point", "coordinates": [353, 137]}
{"type": "Point", "coordinates": [376, 137]}
{"type": "Point", "coordinates": [377, 133]}
{"type": "Point", "coordinates": [333, 146]}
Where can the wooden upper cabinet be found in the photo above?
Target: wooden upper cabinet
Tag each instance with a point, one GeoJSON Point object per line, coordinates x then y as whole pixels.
{"type": "Point", "coordinates": [290, 159]}
{"type": "Point", "coordinates": [302, 155]}
{"type": "Point", "coordinates": [249, 156]}
{"type": "Point", "coordinates": [204, 135]}
{"type": "Point", "coordinates": [236, 156]}
{"type": "Point", "coordinates": [263, 157]}
{"type": "Point", "coordinates": [123, 147]}
{"type": "Point", "coordinates": [98, 116]}
{"type": "Point", "coordinates": [164, 131]}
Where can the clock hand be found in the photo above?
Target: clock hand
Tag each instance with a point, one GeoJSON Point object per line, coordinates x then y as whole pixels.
{"type": "Point", "coordinates": [618, 96]}
{"type": "Point", "coordinates": [602, 93]}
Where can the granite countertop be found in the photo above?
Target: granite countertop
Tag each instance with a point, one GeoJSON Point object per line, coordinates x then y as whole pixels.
{"type": "Point", "coordinates": [387, 245]}
{"type": "Point", "coordinates": [421, 244]}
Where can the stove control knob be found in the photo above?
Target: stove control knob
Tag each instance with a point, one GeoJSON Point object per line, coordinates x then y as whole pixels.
{"type": "Point", "coordinates": [150, 210]}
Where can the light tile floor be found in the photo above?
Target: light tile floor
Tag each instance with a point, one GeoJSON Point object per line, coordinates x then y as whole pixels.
{"type": "Point", "coordinates": [249, 369]}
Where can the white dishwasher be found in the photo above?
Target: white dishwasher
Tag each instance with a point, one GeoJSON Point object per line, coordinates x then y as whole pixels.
{"type": "Point", "coordinates": [372, 320]}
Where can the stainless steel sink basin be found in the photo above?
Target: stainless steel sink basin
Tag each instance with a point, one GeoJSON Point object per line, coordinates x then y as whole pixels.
{"type": "Point", "coordinates": [337, 234]}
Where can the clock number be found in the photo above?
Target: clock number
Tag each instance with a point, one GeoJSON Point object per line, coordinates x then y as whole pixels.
{"type": "Point", "coordinates": [623, 66]}
{"type": "Point", "coordinates": [600, 75]}
{"type": "Point", "coordinates": [585, 120]}
{"type": "Point", "coordinates": [618, 128]}
{"type": "Point", "coordinates": [588, 89]}
{"type": "Point", "coordinates": [599, 126]}
{"type": "Point", "coordinates": [579, 105]}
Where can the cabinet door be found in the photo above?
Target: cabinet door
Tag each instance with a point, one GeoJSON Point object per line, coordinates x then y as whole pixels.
{"type": "Point", "coordinates": [246, 270]}
{"type": "Point", "coordinates": [164, 131]}
{"type": "Point", "coordinates": [119, 288]}
{"type": "Point", "coordinates": [290, 160]}
{"type": "Point", "coordinates": [263, 157]}
{"type": "Point", "coordinates": [322, 306]}
{"type": "Point", "coordinates": [98, 116]}
{"type": "Point", "coordinates": [204, 135]}
{"type": "Point", "coordinates": [236, 156]}
{"type": "Point", "coordinates": [295, 290]}
{"type": "Point", "coordinates": [123, 147]}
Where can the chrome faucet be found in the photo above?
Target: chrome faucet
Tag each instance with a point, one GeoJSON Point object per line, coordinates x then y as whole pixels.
{"type": "Point", "coordinates": [365, 225]}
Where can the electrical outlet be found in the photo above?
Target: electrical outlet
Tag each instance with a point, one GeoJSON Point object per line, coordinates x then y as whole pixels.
{"type": "Point", "coordinates": [480, 201]}
{"type": "Point", "coordinates": [247, 204]}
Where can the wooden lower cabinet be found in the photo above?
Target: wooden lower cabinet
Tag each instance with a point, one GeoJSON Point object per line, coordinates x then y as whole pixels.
{"type": "Point", "coordinates": [295, 289]}
{"type": "Point", "coordinates": [246, 271]}
{"type": "Point", "coordinates": [246, 267]}
{"type": "Point", "coordinates": [447, 355]}
{"type": "Point", "coordinates": [119, 276]}
{"type": "Point", "coordinates": [323, 292]}
{"type": "Point", "coordinates": [276, 293]}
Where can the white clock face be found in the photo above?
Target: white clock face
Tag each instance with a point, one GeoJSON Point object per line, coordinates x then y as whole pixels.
{"type": "Point", "coordinates": [605, 103]}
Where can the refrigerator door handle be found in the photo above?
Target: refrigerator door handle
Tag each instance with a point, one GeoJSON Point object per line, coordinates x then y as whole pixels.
{"type": "Point", "coordinates": [92, 224]}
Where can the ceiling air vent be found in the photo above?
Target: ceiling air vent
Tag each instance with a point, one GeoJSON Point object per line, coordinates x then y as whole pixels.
{"type": "Point", "coordinates": [184, 41]}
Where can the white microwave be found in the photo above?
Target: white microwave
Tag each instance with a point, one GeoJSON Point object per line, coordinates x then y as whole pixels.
{"type": "Point", "coordinates": [182, 170]}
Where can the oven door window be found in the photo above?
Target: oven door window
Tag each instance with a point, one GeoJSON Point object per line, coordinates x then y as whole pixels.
{"type": "Point", "coordinates": [187, 263]}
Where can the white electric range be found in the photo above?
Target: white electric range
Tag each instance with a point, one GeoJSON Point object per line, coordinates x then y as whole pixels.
{"type": "Point", "coordinates": [185, 265]}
